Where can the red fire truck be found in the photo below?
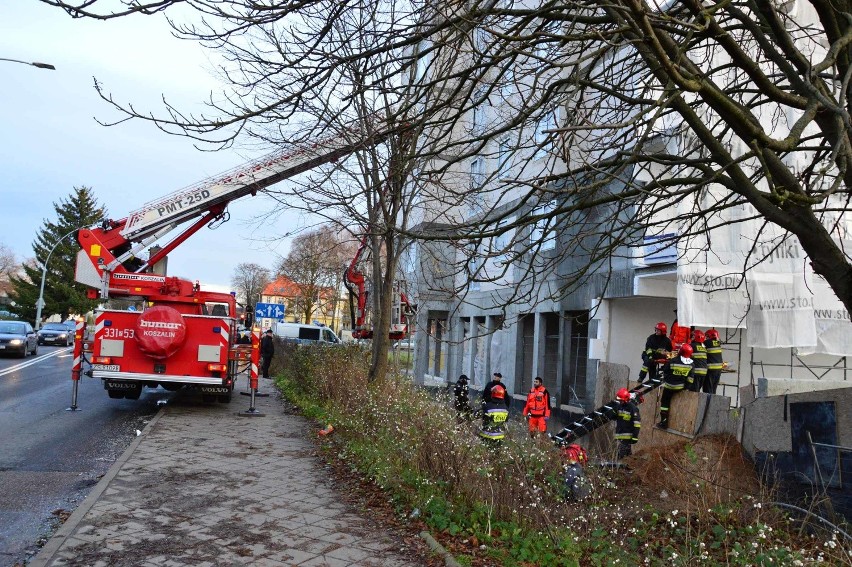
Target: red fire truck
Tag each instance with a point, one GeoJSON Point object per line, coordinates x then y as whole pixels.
{"type": "Point", "coordinates": [182, 335]}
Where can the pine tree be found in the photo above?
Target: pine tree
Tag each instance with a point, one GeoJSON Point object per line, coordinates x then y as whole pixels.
{"type": "Point", "coordinates": [57, 240]}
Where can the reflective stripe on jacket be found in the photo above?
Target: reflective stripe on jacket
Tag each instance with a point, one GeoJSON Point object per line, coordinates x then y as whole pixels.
{"type": "Point", "coordinates": [627, 422]}
{"type": "Point", "coordinates": [677, 373]}
{"type": "Point", "coordinates": [538, 403]}
{"type": "Point", "coordinates": [699, 358]}
{"type": "Point", "coordinates": [714, 354]}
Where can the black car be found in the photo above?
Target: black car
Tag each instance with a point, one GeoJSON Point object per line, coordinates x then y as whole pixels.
{"type": "Point", "coordinates": [18, 337]}
{"type": "Point", "coordinates": [55, 334]}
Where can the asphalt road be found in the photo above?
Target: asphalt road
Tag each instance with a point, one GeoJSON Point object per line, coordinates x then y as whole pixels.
{"type": "Point", "coordinates": [49, 457]}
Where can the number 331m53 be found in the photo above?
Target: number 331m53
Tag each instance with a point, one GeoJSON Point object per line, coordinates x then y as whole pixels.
{"type": "Point", "coordinates": [114, 333]}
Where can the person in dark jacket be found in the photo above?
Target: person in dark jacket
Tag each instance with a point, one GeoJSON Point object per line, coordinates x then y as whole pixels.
{"type": "Point", "coordinates": [486, 392]}
{"type": "Point", "coordinates": [627, 422]}
{"type": "Point", "coordinates": [494, 416]}
{"type": "Point", "coordinates": [714, 361]}
{"type": "Point", "coordinates": [244, 337]}
{"type": "Point", "coordinates": [462, 399]}
{"type": "Point", "coordinates": [657, 347]}
{"type": "Point", "coordinates": [677, 375]}
{"type": "Point", "coordinates": [699, 361]}
{"type": "Point", "coordinates": [267, 351]}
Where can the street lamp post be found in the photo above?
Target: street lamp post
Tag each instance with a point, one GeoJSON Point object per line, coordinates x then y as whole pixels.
{"type": "Point", "coordinates": [34, 63]}
{"type": "Point", "coordinates": [40, 302]}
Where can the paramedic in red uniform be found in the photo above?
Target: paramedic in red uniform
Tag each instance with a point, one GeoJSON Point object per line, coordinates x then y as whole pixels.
{"type": "Point", "coordinates": [537, 408]}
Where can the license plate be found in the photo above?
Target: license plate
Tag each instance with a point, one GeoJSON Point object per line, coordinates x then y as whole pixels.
{"type": "Point", "coordinates": [106, 367]}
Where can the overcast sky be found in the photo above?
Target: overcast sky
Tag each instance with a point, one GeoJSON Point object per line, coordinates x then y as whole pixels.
{"type": "Point", "coordinates": [51, 142]}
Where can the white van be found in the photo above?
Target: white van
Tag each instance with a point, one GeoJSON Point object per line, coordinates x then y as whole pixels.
{"type": "Point", "coordinates": [302, 333]}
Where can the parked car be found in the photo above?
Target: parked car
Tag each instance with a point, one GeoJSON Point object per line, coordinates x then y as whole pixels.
{"type": "Point", "coordinates": [72, 327]}
{"type": "Point", "coordinates": [305, 334]}
{"type": "Point", "coordinates": [18, 337]}
{"type": "Point", "coordinates": [55, 334]}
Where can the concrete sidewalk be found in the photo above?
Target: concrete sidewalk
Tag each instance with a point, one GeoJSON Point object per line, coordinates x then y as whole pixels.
{"type": "Point", "coordinates": [204, 486]}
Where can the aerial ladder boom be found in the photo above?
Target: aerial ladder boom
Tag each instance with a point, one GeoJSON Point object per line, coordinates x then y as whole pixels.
{"type": "Point", "coordinates": [107, 260]}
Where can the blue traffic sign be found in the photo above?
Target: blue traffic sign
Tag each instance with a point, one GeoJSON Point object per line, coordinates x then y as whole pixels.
{"type": "Point", "coordinates": [269, 311]}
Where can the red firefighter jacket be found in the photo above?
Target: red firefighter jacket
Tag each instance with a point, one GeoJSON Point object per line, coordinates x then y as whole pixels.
{"type": "Point", "coordinates": [538, 402]}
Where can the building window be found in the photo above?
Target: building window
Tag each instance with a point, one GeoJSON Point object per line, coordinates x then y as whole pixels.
{"type": "Point", "coordinates": [543, 234]}
{"type": "Point", "coordinates": [544, 133]}
{"type": "Point", "coordinates": [475, 263]}
{"type": "Point", "coordinates": [423, 59]}
{"type": "Point", "coordinates": [502, 241]}
{"type": "Point", "coordinates": [503, 154]}
{"type": "Point", "coordinates": [478, 118]}
{"type": "Point", "coordinates": [548, 39]}
{"type": "Point", "coordinates": [507, 84]}
{"type": "Point", "coordinates": [477, 178]}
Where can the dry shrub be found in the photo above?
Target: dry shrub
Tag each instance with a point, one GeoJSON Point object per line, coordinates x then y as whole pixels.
{"type": "Point", "coordinates": [709, 471]}
{"type": "Point", "coordinates": [417, 445]}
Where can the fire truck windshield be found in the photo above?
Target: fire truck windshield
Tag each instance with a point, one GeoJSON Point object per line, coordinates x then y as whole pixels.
{"type": "Point", "coordinates": [216, 309]}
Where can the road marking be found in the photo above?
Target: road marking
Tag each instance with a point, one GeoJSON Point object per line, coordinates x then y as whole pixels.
{"type": "Point", "coordinates": [36, 360]}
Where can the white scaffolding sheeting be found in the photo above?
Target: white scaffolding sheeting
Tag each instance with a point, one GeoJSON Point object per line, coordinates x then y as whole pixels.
{"type": "Point", "coordinates": [756, 276]}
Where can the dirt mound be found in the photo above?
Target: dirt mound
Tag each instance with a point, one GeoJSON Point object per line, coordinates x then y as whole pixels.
{"type": "Point", "coordinates": [711, 469]}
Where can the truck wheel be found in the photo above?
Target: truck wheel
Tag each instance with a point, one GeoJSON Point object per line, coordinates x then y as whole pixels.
{"type": "Point", "coordinates": [116, 394]}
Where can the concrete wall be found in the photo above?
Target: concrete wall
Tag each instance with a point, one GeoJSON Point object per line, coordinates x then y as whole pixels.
{"type": "Point", "coordinates": [623, 327]}
{"type": "Point", "coordinates": [766, 427]}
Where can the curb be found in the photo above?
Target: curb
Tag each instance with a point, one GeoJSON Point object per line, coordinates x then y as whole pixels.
{"type": "Point", "coordinates": [449, 560]}
{"type": "Point", "coordinates": [45, 555]}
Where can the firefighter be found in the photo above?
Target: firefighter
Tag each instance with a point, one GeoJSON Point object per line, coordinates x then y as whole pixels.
{"type": "Point", "coordinates": [627, 422]}
{"type": "Point", "coordinates": [714, 361]}
{"type": "Point", "coordinates": [462, 399]}
{"type": "Point", "coordinates": [699, 361]}
{"type": "Point", "coordinates": [486, 392]}
{"type": "Point", "coordinates": [537, 408]}
{"type": "Point", "coordinates": [657, 346]}
{"type": "Point", "coordinates": [574, 485]}
{"type": "Point", "coordinates": [677, 375]}
{"type": "Point", "coordinates": [494, 415]}
{"type": "Point", "coordinates": [267, 351]}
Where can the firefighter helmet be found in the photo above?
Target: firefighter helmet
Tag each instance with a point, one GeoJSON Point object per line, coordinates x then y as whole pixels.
{"type": "Point", "coordinates": [698, 336]}
{"type": "Point", "coordinates": [685, 350]}
{"type": "Point", "coordinates": [713, 334]}
{"type": "Point", "coordinates": [498, 392]}
{"type": "Point", "coordinates": [574, 453]}
{"type": "Point", "coordinates": [623, 395]}
{"type": "Point", "coordinates": [661, 327]}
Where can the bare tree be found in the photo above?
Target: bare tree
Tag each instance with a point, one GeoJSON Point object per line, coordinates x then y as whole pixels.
{"type": "Point", "coordinates": [248, 280]}
{"type": "Point", "coordinates": [9, 266]}
{"type": "Point", "coordinates": [616, 121]}
{"type": "Point", "coordinates": [312, 266]}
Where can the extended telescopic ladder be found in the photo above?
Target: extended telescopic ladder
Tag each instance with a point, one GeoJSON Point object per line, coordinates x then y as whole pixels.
{"type": "Point", "coordinates": [192, 201]}
{"type": "Point", "coordinates": [602, 415]}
